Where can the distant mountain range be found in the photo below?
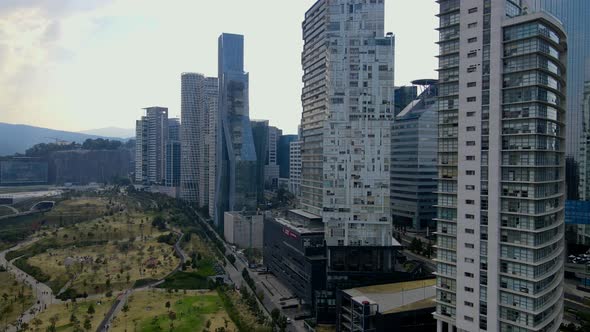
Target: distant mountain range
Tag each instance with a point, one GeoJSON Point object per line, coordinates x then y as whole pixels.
{"type": "Point", "coordinates": [111, 132]}
{"type": "Point", "coordinates": [16, 138]}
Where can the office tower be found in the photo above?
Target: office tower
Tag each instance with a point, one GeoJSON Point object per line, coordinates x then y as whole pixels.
{"type": "Point", "coordinates": [173, 148]}
{"type": "Point", "coordinates": [295, 167]}
{"type": "Point", "coordinates": [236, 188]}
{"type": "Point", "coordinates": [347, 97]}
{"type": "Point", "coordinates": [151, 134]}
{"type": "Point", "coordinates": [284, 155]}
{"type": "Point", "coordinates": [260, 131]}
{"type": "Point", "coordinates": [413, 163]}
{"type": "Point", "coordinates": [501, 189]}
{"type": "Point", "coordinates": [404, 95]}
{"type": "Point", "coordinates": [271, 167]}
{"type": "Point", "coordinates": [198, 107]}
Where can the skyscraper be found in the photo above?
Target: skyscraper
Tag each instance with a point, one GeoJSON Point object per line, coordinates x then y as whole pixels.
{"type": "Point", "coordinates": [151, 134]}
{"type": "Point", "coordinates": [413, 163]}
{"type": "Point", "coordinates": [198, 108]}
{"type": "Point", "coordinates": [348, 65]}
{"type": "Point", "coordinates": [271, 165]}
{"type": "Point", "coordinates": [501, 188]}
{"type": "Point", "coordinates": [284, 155]}
{"type": "Point", "coordinates": [173, 148]}
{"type": "Point", "coordinates": [260, 131]}
{"type": "Point", "coordinates": [236, 188]}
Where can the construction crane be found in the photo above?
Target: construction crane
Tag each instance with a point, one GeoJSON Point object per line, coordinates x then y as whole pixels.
{"type": "Point", "coordinates": [58, 141]}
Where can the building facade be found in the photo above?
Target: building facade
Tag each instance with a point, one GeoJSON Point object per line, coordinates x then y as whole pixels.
{"type": "Point", "coordinates": [403, 96]}
{"type": "Point", "coordinates": [347, 97]}
{"type": "Point", "coordinates": [271, 167]}
{"type": "Point", "coordinates": [284, 155]}
{"type": "Point", "coordinates": [295, 168]}
{"type": "Point", "coordinates": [260, 130]}
{"type": "Point", "coordinates": [173, 148]}
{"type": "Point", "coordinates": [574, 16]}
{"type": "Point", "coordinates": [244, 229]}
{"type": "Point", "coordinates": [236, 185]}
{"type": "Point", "coordinates": [413, 163]}
{"type": "Point", "coordinates": [198, 107]}
{"type": "Point", "coordinates": [151, 136]}
{"type": "Point", "coordinates": [501, 188]}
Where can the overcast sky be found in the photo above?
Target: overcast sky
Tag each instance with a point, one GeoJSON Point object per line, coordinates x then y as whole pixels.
{"type": "Point", "coordinates": [85, 64]}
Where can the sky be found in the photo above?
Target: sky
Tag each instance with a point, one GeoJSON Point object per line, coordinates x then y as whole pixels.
{"type": "Point", "coordinates": [86, 64]}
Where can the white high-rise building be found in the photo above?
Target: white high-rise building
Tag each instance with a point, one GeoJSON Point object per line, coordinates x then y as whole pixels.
{"type": "Point", "coordinates": [151, 136]}
{"type": "Point", "coordinates": [198, 113]}
{"type": "Point", "coordinates": [501, 186]}
{"type": "Point", "coordinates": [348, 64]}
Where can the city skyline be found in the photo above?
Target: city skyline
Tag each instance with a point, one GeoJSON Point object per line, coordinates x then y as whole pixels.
{"type": "Point", "coordinates": [63, 53]}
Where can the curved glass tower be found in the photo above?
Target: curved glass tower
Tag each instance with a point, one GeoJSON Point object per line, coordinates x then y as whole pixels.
{"type": "Point", "coordinates": [502, 108]}
{"type": "Point", "coordinates": [236, 187]}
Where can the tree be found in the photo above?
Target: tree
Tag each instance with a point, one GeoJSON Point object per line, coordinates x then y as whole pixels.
{"type": "Point", "coordinates": [87, 324]}
{"type": "Point", "coordinates": [172, 317]}
{"type": "Point", "coordinates": [168, 305]}
{"type": "Point", "coordinates": [37, 322]}
{"type": "Point", "coordinates": [125, 310]}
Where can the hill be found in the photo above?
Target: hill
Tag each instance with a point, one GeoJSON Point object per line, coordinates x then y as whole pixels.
{"type": "Point", "coordinates": [16, 138]}
{"type": "Point", "coordinates": [111, 132]}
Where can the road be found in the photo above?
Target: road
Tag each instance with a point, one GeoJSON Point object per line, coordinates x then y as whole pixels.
{"type": "Point", "coordinates": [269, 301]}
{"type": "Point", "coordinates": [42, 292]}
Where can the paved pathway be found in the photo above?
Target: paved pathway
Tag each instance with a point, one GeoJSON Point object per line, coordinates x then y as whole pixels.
{"type": "Point", "coordinates": [123, 297]}
{"type": "Point", "coordinates": [42, 292]}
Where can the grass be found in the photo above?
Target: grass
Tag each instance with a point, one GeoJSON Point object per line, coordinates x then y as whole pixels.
{"type": "Point", "coordinates": [118, 248]}
{"type": "Point", "coordinates": [185, 280]}
{"type": "Point", "coordinates": [148, 312]}
{"type": "Point", "coordinates": [79, 309]}
{"type": "Point", "coordinates": [18, 297]}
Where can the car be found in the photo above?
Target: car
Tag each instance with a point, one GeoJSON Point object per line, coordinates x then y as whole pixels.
{"type": "Point", "coordinates": [288, 320]}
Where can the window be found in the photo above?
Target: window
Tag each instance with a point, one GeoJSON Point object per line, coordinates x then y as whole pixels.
{"type": "Point", "coordinates": [472, 69]}
{"type": "Point", "coordinates": [471, 25]}
{"type": "Point", "coordinates": [472, 40]}
{"type": "Point", "coordinates": [471, 84]}
{"type": "Point", "coordinates": [469, 187]}
{"type": "Point", "coordinates": [470, 114]}
{"type": "Point", "coordinates": [470, 158]}
{"type": "Point", "coordinates": [471, 99]}
{"type": "Point", "coordinates": [469, 202]}
{"type": "Point", "coordinates": [472, 10]}
{"type": "Point", "coordinates": [469, 260]}
{"type": "Point", "coordinates": [470, 143]}
{"type": "Point", "coordinates": [472, 54]}
{"type": "Point", "coordinates": [469, 231]}
{"type": "Point", "coordinates": [468, 304]}
{"type": "Point", "coordinates": [471, 128]}
{"type": "Point", "coordinates": [469, 245]}
{"type": "Point", "coordinates": [469, 275]}
{"type": "Point", "coordinates": [470, 172]}
{"type": "Point", "coordinates": [468, 318]}
{"type": "Point", "coordinates": [469, 216]}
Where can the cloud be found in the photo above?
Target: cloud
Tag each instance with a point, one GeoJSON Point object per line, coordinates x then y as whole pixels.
{"type": "Point", "coordinates": [31, 44]}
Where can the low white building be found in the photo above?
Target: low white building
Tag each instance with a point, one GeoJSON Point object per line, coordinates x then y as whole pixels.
{"type": "Point", "coordinates": [243, 229]}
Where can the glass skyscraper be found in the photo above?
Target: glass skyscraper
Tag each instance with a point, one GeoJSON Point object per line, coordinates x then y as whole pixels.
{"type": "Point", "coordinates": [237, 176]}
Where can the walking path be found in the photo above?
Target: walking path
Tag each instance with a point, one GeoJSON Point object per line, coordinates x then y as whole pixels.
{"type": "Point", "coordinates": [43, 293]}
{"type": "Point", "coordinates": [123, 297]}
